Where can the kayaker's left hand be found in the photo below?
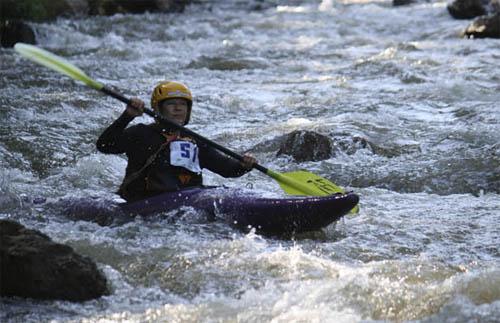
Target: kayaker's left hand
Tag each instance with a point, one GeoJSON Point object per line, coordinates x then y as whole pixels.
{"type": "Point", "coordinates": [248, 161]}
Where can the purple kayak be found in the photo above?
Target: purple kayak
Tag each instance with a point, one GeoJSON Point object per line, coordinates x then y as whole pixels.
{"type": "Point", "coordinates": [244, 210]}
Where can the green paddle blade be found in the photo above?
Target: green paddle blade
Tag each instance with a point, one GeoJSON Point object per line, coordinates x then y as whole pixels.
{"type": "Point", "coordinates": [56, 63]}
{"type": "Point", "coordinates": [306, 183]}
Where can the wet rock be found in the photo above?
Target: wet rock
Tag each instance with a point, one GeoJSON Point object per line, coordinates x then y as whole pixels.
{"type": "Point", "coordinates": [466, 9]}
{"type": "Point", "coordinates": [13, 31]}
{"type": "Point", "coordinates": [111, 7]}
{"type": "Point", "coordinates": [402, 2]}
{"type": "Point", "coordinates": [484, 27]}
{"type": "Point", "coordinates": [31, 265]}
{"type": "Point", "coordinates": [305, 145]}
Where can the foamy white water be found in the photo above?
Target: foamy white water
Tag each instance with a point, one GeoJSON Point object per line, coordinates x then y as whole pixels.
{"type": "Point", "coordinates": [425, 244]}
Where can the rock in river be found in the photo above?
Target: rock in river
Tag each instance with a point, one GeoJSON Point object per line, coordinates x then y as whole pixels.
{"type": "Point", "coordinates": [305, 145]}
{"type": "Point", "coordinates": [13, 31]}
{"type": "Point", "coordinates": [484, 27]}
{"type": "Point", "coordinates": [34, 266]}
{"type": "Point", "coordinates": [466, 9]}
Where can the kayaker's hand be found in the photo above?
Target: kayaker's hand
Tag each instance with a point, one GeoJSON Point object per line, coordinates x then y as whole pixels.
{"type": "Point", "coordinates": [135, 108]}
{"type": "Point", "coordinates": [248, 161]}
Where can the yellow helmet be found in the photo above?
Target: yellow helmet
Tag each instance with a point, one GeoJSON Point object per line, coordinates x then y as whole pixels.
{"type": "Point", "coordinates": [171, 90]}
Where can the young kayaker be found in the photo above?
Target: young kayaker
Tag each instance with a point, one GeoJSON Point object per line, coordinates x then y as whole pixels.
{"type": "Point", "coordinates": [160, 159]}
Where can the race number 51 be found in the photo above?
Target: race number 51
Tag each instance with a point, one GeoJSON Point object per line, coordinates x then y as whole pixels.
{"type": "Point", "coordinates": [185, 154]}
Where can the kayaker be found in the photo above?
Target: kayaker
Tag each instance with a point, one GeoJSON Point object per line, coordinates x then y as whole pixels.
{"type": "Point", "coordinates": [161, 159]}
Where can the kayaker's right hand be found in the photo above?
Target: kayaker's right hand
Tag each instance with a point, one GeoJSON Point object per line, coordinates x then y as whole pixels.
{"type": "Point", "coordinates": [248, 161]}
{"type": "Point", "coordinates": [135, 108]}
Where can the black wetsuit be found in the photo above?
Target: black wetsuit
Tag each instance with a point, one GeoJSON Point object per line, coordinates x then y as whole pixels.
{"type": "Point", "coordinates": [141, 141]}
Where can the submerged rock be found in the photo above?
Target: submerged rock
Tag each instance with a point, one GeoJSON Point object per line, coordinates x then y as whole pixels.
{"type": "Point", "coordinates": [34, 266]}
{"type": "Point", "coordinates": [13, 31]}
{"type": "Point", "coordinates": [484, 27]}
{"type": "Point", "coordinates": [349, 144]}
{"type": "Point", "coordinates": [305, 145]}
{"type": "Point", "coordinates": [392, 148]}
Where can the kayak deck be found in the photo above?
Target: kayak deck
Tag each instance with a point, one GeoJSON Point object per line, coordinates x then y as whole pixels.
{"type": "Point", "coordinates": [244, 211]}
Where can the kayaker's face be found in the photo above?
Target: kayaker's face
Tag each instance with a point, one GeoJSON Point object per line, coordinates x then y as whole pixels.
{"type": "Point", "coordinates": [175, 110]}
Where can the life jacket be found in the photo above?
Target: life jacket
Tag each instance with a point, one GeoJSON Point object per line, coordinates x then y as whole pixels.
{"type": "Point", "coordinates": [173, 166]}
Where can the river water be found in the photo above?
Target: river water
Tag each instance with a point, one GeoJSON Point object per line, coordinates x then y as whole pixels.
{"type": "Point", "coordinates": [424, 246]}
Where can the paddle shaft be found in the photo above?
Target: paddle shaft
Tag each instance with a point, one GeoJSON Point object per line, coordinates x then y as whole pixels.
{"type": "Point", "coordinates": [295, 183]}
{"type": "Point", "coordinates": [184, 130]}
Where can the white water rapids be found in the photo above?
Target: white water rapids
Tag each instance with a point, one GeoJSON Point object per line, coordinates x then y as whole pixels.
{"type": "Point", "coordinates": [425, 244]}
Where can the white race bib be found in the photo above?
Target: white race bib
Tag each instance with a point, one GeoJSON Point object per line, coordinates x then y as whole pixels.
{"type": "Point", "coordinates": [185, 154]}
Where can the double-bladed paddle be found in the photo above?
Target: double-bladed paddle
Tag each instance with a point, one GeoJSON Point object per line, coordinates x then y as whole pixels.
{"type": "Point", "coordinates": [293, 183]}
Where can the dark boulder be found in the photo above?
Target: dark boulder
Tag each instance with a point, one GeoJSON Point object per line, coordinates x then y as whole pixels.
{"type": "Point", "coordinates": [484, 27]}
{"type": "Point", "coordinates": [396, 3]}
{"type": "Point", "coordinates": [13, 31]}
{"type": "Point", "coordinates": [305, 145]}
{"type": "Point", "coordinates": [31, 265]}
{"type": "Point", "coordinates": [111, 7]}
{"type": "Point", "coordinates": [466, 9]}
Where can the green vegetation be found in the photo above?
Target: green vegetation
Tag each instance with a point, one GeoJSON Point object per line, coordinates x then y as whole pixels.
{"type": "Point", "coordinates": [33, 10]}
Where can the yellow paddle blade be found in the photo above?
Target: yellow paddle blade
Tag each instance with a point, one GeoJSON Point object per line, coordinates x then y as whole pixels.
{"type": "Point", "coordinates": [306, 183]}
{"type": "Point", "coordinates": [55, 63]}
